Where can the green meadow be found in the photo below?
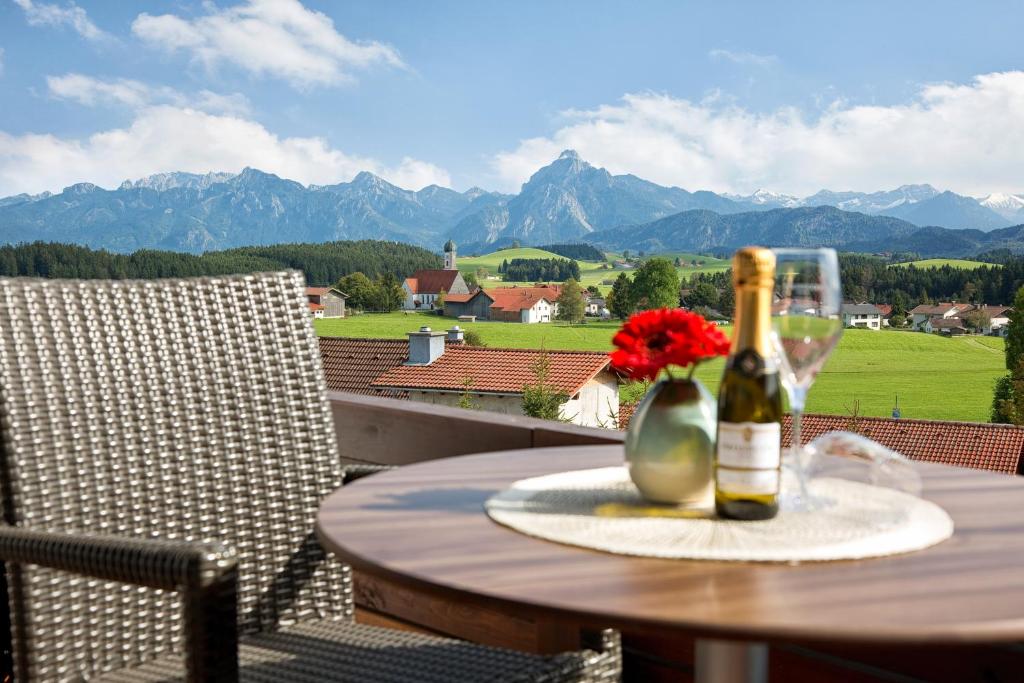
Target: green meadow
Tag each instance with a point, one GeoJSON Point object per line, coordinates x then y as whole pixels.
{"type": "Point", "coordinates": [951, 262]}
{"type": "Point", "coordinates": [935, 377]}
{"type": "Point", "coordinates": [597, 273]}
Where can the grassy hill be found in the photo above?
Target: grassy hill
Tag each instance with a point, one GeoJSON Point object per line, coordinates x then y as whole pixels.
{"type": "Point", "coordinates": [869, 366]}
{"type": "Point", "coordinates": [591, 272]}
{"type": "Point", "coordinates": [952, 262]}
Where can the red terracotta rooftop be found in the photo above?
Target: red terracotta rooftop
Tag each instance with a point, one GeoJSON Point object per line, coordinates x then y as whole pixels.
{"type": "Point", "coordinates": [431, 281]}
{"type": "Point", "coordinates": [981, 446]}
{"type": "Point", "coordinates": [460, 298]}
{"type": "Point", "coordinates": [518, 298]}
{"type": "Point", "coordinates": [317, 291]}
{"type": "Point", "coordinates": [352, 364]}
{"type": "Point", "coordinates": [504, 371]}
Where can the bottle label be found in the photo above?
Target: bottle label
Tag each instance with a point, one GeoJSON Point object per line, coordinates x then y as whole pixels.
{"type": "Point", "coordinates": [749, 445]}
{"type": "Point", "coordinates": [747, 481]}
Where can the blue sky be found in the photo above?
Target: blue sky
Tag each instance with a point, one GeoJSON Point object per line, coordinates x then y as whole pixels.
{"type": "Point", "coordinates": [724, 96]}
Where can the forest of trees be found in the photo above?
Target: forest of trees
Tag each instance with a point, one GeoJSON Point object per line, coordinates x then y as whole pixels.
{"type": "Point", "coordinates": [874, 280]}
{"type": "Point", "coordinates": [539, 270]}
{"type": "Point", "coordinates": [579, 251]}
{"type": "Point", "coordinates": [323, 264]}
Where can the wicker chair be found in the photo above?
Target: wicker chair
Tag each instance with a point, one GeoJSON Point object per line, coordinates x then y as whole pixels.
{"type": "Point", "coordinates": [164, 446]}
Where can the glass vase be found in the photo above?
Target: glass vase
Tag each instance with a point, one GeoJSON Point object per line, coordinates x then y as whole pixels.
{"type": "Point", "coordinates": [670, 444]}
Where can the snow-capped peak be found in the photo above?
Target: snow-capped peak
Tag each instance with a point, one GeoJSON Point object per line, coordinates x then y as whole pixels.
{"type": "Point", "coordinates": [1002, 200]}
{"type": "Point", "coordinates": [1009, 206]}
{"type": "Point", "coordinates": [762, 197]}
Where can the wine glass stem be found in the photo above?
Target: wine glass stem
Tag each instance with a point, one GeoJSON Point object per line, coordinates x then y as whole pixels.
{"type": "Point", "coordinates": [798, 461]}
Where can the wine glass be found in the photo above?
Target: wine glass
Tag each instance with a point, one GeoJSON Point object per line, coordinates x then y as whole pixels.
{"type": "Point", "coordinates": [806, 324]}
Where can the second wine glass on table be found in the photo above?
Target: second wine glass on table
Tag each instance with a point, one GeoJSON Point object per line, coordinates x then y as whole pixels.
{"type": "Point", "coordinates": [807, 326]}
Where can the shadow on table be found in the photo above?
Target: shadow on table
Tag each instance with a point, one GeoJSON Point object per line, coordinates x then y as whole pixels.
{"type": "Point", "coordinates": [446, 500]}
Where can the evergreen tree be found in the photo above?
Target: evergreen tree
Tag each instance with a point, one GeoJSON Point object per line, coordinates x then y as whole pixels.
{"type": "Point", "coordinates": [621, 298]}
{"type": "Point", "coordinates": [656, 285]}
{"type": "Point", "coordinates": [1015, 333]}
{"type": "Point", "coordinates": [570, 303]}
{"type": "Point", "coordinates": [541, 399]}
{"type": "Point", "coordinates": [702, 294]}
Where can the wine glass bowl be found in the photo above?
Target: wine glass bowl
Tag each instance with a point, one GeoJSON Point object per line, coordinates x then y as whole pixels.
{"type": "Point", "coordinates": [806, 326]}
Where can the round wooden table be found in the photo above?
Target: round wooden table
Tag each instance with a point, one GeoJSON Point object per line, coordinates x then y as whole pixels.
{"type": "Point", "coordinates": [423, 526]}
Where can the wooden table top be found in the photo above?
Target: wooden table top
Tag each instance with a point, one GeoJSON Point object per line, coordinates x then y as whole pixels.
{"type": "Point", "coordinates": [424, 526]}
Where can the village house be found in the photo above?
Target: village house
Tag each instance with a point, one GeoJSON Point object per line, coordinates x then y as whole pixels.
{"type": "Point", "coordinates": [424, 288]}
{"type": "Point", "coordinates": [596, 306]}
{"type": "Point", "coordinates": [953, 327]}
{"type": "Point", "coordinates": [886, 311]}
{"type": "Point", "coordinates": [494, 379]}
{"type": "Point", "coordinates": [861, 315]}
{"type": "Point", "coordinates": [999, 318]}
{"type": "Point", "coordinates": [475, 305]}
{"type": "Point", "coordinates": [537, 304]}
{"type": "Point", "coordinates": [919, 315]}
{"type": "Point", "coordinates": [326, 302]}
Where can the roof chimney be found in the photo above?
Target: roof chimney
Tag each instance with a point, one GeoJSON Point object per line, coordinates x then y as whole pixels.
{"type": "Point", "coordinates": [455, 335]}
{"type": "Point", "coordinates": [425, 346]}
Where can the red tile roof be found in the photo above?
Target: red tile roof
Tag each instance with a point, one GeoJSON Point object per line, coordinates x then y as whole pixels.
{"type": "Point", "coordinates": [996, 311]}
{"type": "Point", "coordinates": [940, 309]}
{"type": "Point", "coordinates": [519, 298]}
{"type": "Point", "coordinates": [352, 364]}
{"type": "Point", "coordinates": [626, 411]}
{"type": "Point", "coordinates": [886, 309]}
{"type": "Point", "coordinates": [316, 307]}
{"type": "Point", "coordinates": [431, 281]}
{"type": "Point", "coordinates": [982, 446]}
{"type": "Point", "coordinates": [504, 371]}
{"type": "Point", "coordinates": [317, 291]}
{"type": "Point", "coordinates": [463, 298]}
{"type": "Point", "coordinates": [947, 323]}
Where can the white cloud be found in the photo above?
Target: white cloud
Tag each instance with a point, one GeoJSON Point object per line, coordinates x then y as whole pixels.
{"type": "Point", "coordinates": [45, 14]}
{"type": "Point", "coordinates": [741, 57]}
{"type": "Point", "coordinates": [92, 92]}
{"type": "Point", "coordinates": [167, 138]}
{"type": "Point", "coordinates": [279, 38]}
{"type": "Point", "coordinates": [968, 138]}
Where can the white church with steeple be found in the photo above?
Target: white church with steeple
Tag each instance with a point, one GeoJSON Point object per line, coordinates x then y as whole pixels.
{"type": "Point", "coordinates": [449, 255]}
{"type": "Point", "coordinates": [423, 289]}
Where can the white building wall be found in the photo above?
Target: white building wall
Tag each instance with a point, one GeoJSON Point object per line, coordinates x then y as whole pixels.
{"type": "Point", "coordinates": [597, 405]}
{"type": "Point", "coordinates": [410, 298]}
{"type": "Point", "coordinates": [506, 405]}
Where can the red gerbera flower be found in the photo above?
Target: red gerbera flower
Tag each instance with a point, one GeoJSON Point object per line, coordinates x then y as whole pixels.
{"type": "Point", "coordinates": [652, 340]}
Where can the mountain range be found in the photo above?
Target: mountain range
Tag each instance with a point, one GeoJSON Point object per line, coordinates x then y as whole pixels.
{"type": "Point", "coordinates": [567, 200]}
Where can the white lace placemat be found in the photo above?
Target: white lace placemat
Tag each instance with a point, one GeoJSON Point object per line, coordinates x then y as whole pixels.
{"type": "Point", "coordinates": [602, 510]}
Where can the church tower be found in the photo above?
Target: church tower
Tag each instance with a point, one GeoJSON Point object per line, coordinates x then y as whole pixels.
{"type": "Point", "coordinates": [449, 255]}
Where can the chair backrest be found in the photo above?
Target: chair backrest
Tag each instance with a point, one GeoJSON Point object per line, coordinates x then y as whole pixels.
{"type": "Point", "coordinates": [189, 409]}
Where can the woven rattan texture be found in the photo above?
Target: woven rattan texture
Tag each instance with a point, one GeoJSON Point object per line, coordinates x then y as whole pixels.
{"type": "Point", "coordinates": [328, 651]}
{"type": "Point", "coordinates": [180, 409]}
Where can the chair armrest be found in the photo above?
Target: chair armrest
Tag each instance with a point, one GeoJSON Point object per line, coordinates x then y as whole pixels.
{"type": "Point", "coordinates": [205, 573]}
{"type": "Point", "coordinates": [353, 472]}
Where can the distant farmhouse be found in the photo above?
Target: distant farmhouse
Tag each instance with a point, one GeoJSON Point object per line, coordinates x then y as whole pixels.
{"type": "Point", "coordinates": [437, 367]}
{"type": "Point", "coordinates": [424, 288]}
{"type": "Point", "coordinates": [537, 304]}
{"type": "Point", "coordinates": [867, 316]}
{"type": "Point", "coordinates": [326, 302]}
{"type": "Point", "coordinates": [950, 318]}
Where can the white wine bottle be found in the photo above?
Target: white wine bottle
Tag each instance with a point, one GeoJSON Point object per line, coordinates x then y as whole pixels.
{"type": "Point", "coordinates": [749, 444]}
